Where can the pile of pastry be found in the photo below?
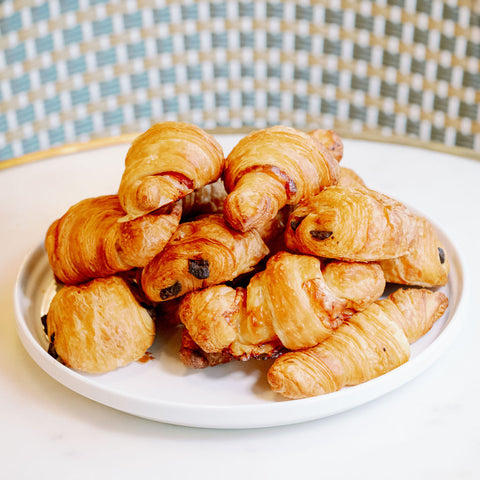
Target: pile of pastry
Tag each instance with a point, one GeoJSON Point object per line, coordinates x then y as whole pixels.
{"type": "Point", "coordinates": [274, 252]}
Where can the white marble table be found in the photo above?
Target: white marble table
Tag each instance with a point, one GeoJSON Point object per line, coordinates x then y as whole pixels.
{"type": "Point", "coordinates": [426, 428]}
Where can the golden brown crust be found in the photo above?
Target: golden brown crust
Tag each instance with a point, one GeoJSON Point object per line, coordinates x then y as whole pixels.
{"type": "Point", "coordinates": [360, 284]}
{"type": "Point", "coordinates": [349, 178]}
{"type": "Point", "coordinates": [99, 326]}
{"type": "Point", "coordinates": [353, 224]}
{"type": "Point", "coordinates": [201, 253]}
{"type": "Point", "coordinates": [89, 242]}
{"type": "Point", "coordinates": [270, 168]}
{"type": "Point", "coordinates": [370, 344]}
{"type": "Point", "coordinates": [290, 304]}
{"type": "Point", "coordinates": [166, 163]}
{"type": "Point", "coordinates": [331, 140]}
{"type": "Point", "coordinates": [427, 263]}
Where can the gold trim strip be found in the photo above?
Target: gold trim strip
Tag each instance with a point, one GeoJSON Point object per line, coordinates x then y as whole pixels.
{"type": "Point", "coordinates": [129, 137]}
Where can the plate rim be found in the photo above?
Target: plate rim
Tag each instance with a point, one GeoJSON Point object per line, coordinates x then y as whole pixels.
{"type": "Point", "coordinates": [259, 415]}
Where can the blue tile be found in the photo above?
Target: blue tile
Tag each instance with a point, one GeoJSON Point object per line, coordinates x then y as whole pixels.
{"type": "Point", "coordinates": [274, 40]}
{"type": "Point", "coordinates": [68, 6]}
{"type": "Point", "coordinates": [44, 44]}
{"type": "Point", "coordinates": [248, 99]}
{"type": "Point", "coordinates": [192, 41]}
{"type": "Point", "coordinates": [194, 72]}
{"type": "Point", "coordinates": [48, 74]}
{"type": "Point", "coordinates": [52, 105]}
{"type": "Point", "coordinates": [42, 12]}
{"type": "Point", "coordinates": [6, 152]}
{"type": "Point", "coordinates": [222, 99]}
{"type": "Point", "coordinates": [110, 87]}
{"type": "Point", "coordinates": [102, 27]}
{"type": "Point", "coordinates": [304, 12]}
{"type": "Point", "coordinates": [142, 110]}
{"type": "Point", "coordinates": [218, 10]}
{"type": "Point", "coordinates": [83, 126]}
{"type": "Point", "coordinates": [139, 80]}
{"type": "Point", "coordinates": [220, 40]}
{"type": "Point", "coordinates": [246, 9]}
{"type": "Point", "coordinates": [76, 65]}
{"type": "Point", "coordinates": [106, 57]}
{"type": "Point", "coordinates": [301, 102]}
{"type": "Point", "coordinates": [164, 45]}
{"type": "Point", "coordinates": [30, 144]}
{"type": "Point", "coordinates": [221, 71]}
{"type": "Point", "coordinates": [274, 71]}
{"type": "Point", "coordinates": [274, 99]}
{"type": "Point", "coordinates": [303, 42]}
{"type": "Point", "coordinates": [247, 39]}
{"type": "Point", "coordinates": [72, 35]}
{"type": "Point", "coordinates": [114, 117]}
{"type": "Point", "coordinates": [15, 54]}
{"type": "Point", "coordinates": [161, 15]}
{"type": "Point", "coordinates": [20, 84]}
{"type": "Point", "coordinates": [56, 135]}
{"type": "Point", "coordinates": [247, 70]}
{"type": "Point", "coordinates": [133, 20]}
{"type": "Point", "coordinates": [13, 23]}
{"type": "Point", "coordinates": [189, 12]}
{"type": "Point", "coordinates": [170, 105]}
{"type": "Point", "coordinates": [136, 50]}
{"type": "Point", "coordinates": [167, 75]}
{"type": "Point", "coordinates": [3, 124]}
{"type": "Point", "coordinates": [80, 96]}
{"type": "Point", "coordinates": [196, 101]}
{"type": "Point", "coordinates": [274, 10]}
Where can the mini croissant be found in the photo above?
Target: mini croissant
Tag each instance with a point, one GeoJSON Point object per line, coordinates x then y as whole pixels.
{"type": "Point", "coordinates": [290, 303]}
{"type": "Point", "coordinates": [427, 263]}
{"type": "Point", "coordinates": [166, 163]}
{"type": "Point", "coordinates": [370, 344]}
{"type": "Point", "coordinates": [89, 242]}
{"type": "Point", "coordinates": [98, 326]}
{"type": "Point", "coordinates": [201, 253]}
{"type": "Point", "coordinates": [352, 224]}
{"type": "Point", "coordinates": [270, 168]}
{"type": "Point", "coordinates": [331, 140]}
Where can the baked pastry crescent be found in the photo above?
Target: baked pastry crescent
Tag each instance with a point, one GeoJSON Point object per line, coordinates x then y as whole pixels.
{"type": "Point", "coordinates": [370, 344]}
{"type": "Point", "coordinates": [290, 304]}
{"type": "Point", "coordinates": [350, 178]}
{"type": "Point", "coordinates": [353, 224]}
{"type": "Point", "coordinates": [166, 163]}
{"type": "Point", "coordinates": [201, 253]}
{"type": "Point", "coordinates": [331, 140]}
{"type": "Point", "coordinates": [98, 326]}
{"type": "Point", "coordinates": [89, 242]}
{"type": "Point", "coordinates": [270, 168]}
{"type": "Point", "coordinates": [425, 266]}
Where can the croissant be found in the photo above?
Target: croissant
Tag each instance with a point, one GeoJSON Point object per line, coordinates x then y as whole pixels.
{"type": "Point", "coordinates": [290, 304]}
{"type": "Point", "coordinates": [89, 242]}
{"type": "Point", "coordinates": [201, 253]}
{"type": "Point", "coordinates": [352, 224]}
{"type": "Point", "coordinates": [370, 344]}
{"type": "Point", "coordinates": [166, 163]}
{"type": "Point", "coordinates": [98, 326]}
{"type": "Point", "coordinates": [331, 140]}
{"type": "Point", "coordinates": [349, 178]}
{"type": "Point", "coordinates": [270, 168]}
{"type": "Point", "coordinates": [426, 265]}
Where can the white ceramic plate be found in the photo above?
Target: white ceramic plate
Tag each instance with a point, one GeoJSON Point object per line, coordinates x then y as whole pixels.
{"type": "Point", "coordinates": [234, 395]}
